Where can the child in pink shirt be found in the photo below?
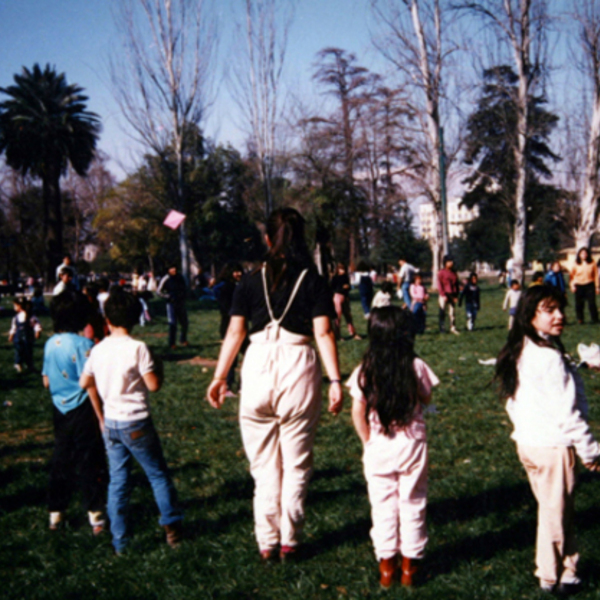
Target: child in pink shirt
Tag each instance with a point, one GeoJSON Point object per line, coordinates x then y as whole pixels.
{"type": "Point", "coordinates": [388, 390]}
{"type": "Point", "coordinates": [418, 297]}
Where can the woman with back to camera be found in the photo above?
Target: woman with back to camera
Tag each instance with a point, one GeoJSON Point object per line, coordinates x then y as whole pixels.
{"type": "Point", "coordinates": [287, 303]}
{"type": "Point", "coordinates": [584, 284]}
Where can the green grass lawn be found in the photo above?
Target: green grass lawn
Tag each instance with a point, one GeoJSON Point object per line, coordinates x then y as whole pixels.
{"type": "Point", "coordinates": [481, 513]}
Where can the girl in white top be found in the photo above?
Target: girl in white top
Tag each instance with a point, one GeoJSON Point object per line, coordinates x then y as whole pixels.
{"type": "Point", "coordinates": [388, 390]}
{"type": "Point", "coordinates": [548, 409]}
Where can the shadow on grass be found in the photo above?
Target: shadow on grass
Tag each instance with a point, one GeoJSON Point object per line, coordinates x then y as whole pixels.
{"type": "Point", "coordinates": [22, 449]}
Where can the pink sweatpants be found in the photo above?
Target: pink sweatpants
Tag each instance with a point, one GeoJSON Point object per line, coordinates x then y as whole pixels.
{"type": "Point", "coordinates": [279, 412]}
{"type": "Point", "coordinates": [396, 473]}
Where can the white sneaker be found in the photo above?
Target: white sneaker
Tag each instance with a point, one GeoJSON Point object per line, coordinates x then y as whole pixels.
{"type": "Point", "coordinates": [230, 394]}
{"type": "Point", "coordinates": [56, 519]}
{"type": "Point", "coordinates": [97, 521]}
{"type": "Point", "coordinates": [18, 368]}
{"type": "Point", "coordinates": [454, 331]}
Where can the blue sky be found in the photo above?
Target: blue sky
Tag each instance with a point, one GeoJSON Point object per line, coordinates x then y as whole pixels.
{"type": "Point", "coordinates": [76, 36]}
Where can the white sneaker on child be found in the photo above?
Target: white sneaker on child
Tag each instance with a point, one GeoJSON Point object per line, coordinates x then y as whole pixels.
{"type": "Point", "coordinates": [56, 519]}
{"type": "Point", "coordinates": [97, 521]}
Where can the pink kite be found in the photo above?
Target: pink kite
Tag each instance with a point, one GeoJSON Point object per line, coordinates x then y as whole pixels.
{"type": "Point", "coordinates": [174, 219]}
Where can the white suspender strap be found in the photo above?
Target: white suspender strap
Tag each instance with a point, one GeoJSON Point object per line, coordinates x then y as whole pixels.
{"type": "Point", "coordinates": [292, 296]}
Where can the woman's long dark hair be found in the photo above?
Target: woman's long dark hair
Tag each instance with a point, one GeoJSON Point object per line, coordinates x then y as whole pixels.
{"type": "Point", "coordinates": [506, 366]}
{"type": "Point", "coordinates": [288, 253]}
{"type": "Point", "coordinates": [387, 378]}
{"type": "Point", "coordinates": [589, 255]}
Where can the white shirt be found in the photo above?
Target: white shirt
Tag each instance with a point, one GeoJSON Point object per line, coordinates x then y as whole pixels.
{"type": "Point", "coordinates": [511, 299]}
{"type": "Point", "coordinates": [406, 273]}
{"type": "Point", "coordinates": [118, 364]}
{"type": "Point", "coordinates": [549, 407]}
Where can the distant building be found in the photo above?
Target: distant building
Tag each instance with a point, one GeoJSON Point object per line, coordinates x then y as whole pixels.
{"type": "Point", "coordinates": [458, 217]}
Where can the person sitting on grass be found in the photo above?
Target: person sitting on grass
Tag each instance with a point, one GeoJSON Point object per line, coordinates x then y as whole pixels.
{"type": "Point", "coordinates": [78, 459]}
{"type": "Point", "coordinates": [124, 371]}
{"type": "Point", "coordinates": [547, 406]}
{"type": "Point", "coordinates": [388, 391]}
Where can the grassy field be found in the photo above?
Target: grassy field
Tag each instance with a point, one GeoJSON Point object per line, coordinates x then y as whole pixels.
{"type": "Point", "coordinates": [481, 513]}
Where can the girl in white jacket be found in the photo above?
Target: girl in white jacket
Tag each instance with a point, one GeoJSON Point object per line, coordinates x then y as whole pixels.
{"type": "Point", "coordinates": [548, 409]}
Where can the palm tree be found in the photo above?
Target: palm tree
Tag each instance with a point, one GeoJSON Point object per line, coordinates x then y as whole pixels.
{"type": "Point", "coordinates": [44, 126]}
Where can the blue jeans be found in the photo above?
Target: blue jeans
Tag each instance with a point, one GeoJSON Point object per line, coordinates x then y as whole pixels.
{"type": "Point", "coordinates": [471, 310]}
{"type": "Point", "coordinates": [418, 309]}
{"type": "Point", "coordinates": [125, 440]}
{"type": "Point", "coordinates": [405, 287]}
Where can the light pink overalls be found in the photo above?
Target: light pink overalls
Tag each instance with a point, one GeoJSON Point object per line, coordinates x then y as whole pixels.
{"type": "Point", "coordinates": [279, 411]}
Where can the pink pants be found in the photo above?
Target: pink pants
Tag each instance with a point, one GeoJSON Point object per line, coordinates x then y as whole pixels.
{"type": "Point", "coordinates": [396, 473]}
{"type": "Point", "coordinates": [279, 411]}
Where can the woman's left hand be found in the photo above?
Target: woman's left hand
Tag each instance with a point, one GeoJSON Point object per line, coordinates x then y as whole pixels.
{"type": "Point", "coordinates": [336, 398]}
{"type": "Point", "coordinates": [216, 392]}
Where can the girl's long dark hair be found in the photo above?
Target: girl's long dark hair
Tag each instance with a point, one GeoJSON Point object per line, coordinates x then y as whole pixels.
{"type": "Point", "coordinates": [288, 253]}
{"type": "Point", "coordinates": [387, 378]}
{"type": "Point", "coordinates": [506, 366]}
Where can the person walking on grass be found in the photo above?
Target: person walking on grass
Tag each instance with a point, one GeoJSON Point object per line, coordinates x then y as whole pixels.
{"type": "Point", "coordinates": [173, 287]}
{"type": "Point", "coordinates": [287, 303]}
{"type": "Point", "coordinates": [340, 285]}
{"type": "Point", "coordinates": [406, 276]}
{"type": "Point", "coordinates": [585, 285]}
{"type": "Point", "coordinates": [78, 459]}
{"type": "Point", "coordinates": [418, 303]}
{"type": "Point", "coordinates": [24, 329]}
{"type": "Point", "coordinates": [470, 294]}
{"type": "Point", "coordinates": [124, 371]}
{"type": "Point", "coordinates": [547, 406]}
{"type": "Point", "coordinates": [511, 301]}
{"type": "Point", "coordinates": [388, 391]}
{"type": "Point", "coordinates": [448, 289]}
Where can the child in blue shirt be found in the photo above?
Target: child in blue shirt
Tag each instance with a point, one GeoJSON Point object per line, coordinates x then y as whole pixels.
{"type": "Point", "coordinates": [78, 459]}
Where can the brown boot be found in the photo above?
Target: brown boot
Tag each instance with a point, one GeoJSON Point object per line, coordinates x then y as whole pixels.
{"type": "Point", "coordinates": [387, 571]}
{"type": "Point", "coordinates": [410, 566]}
{"type": "Point", "coordinates": [174, 534]}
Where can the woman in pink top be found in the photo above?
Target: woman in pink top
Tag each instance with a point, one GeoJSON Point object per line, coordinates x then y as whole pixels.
{"type": "Point", "coordinates": [584, 284]}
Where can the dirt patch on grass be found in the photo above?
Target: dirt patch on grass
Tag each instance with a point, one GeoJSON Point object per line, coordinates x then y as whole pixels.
{"type": "Point", "coordinates": [198, 361]}
{"type": "Point", "coordinates": [160, 334]}
{"type": "Point", "coordinates": [20, 436]}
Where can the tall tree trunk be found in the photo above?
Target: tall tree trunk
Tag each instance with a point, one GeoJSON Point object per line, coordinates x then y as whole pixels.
{"type": "Point", "coordinates": [54, 223]}
{"type": "Point", "coordinates": [588, 220]}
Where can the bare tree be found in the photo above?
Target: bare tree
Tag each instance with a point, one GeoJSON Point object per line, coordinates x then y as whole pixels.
{"type": "Point", "coordinates": [162, 79]}
{"type": "Point", "coordinates": [347, 82]}
{"type": "Point", "coordinates": [522, 27]}
{"type": "Point", "coordinates": [413, 38]}
{"type": "Point", "coordinates": [587, 15]}
{"type": "Point", "coordinates": [257, 81]}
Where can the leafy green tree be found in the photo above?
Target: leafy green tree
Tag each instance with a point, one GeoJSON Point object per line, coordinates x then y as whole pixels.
{"type": "Point", "coordinates": [44, 127]}
{"type": "Point", "coordinates": [491, 140]}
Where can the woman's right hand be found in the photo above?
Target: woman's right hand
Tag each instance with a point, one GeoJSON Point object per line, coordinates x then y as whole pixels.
{"type": "Point", "coordinates": [336, 398]}
{"type": "Point", "coordinates": [216, 392]}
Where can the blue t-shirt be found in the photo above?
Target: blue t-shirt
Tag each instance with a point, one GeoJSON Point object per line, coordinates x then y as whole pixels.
{"type": "Point", "coordinates": [65, 355]}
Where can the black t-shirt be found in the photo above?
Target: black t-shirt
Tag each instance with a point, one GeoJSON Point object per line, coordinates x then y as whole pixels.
{"type": "Point", "coordinates": [338, 282]}
{"type": "Point", "coordinates": [313, 300]}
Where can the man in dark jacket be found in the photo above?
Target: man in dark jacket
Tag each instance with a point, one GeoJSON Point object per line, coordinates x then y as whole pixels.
{"type": "Point", "coordinates": [173, 287]}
